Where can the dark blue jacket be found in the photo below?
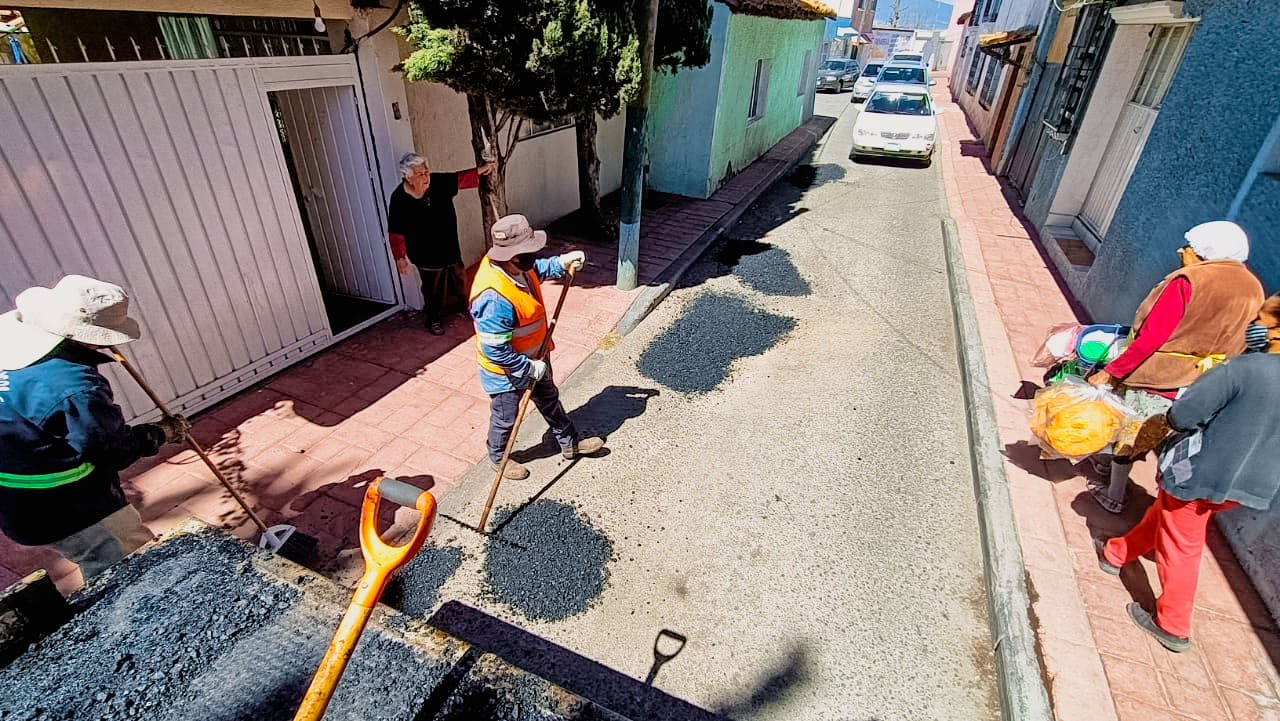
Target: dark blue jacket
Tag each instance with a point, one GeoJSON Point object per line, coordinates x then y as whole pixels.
{"type": "Point", "coordinates": [55, 415]}
{"type": "Point", "coordinates": [1236, 406]}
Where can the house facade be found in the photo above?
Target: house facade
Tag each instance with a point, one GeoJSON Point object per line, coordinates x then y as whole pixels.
{"type": "Point", "coordinates": [1150, 118]}
{"type": "Point", "coordinates": [706, 124]}
{"type": "Point", "coordinates": [993, 63]}
{"type": "Point", "coordinates": [229, 163]}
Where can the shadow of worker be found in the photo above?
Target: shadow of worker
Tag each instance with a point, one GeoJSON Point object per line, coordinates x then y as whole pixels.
{"type": "Point", "coordinates": [602, 415]}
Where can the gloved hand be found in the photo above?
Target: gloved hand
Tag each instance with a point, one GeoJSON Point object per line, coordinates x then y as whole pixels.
{"type": "Point", "coordinates": [175, 428]}
{"type": "Point", "coordinates": [537, 369]}
{"type": "Point", "coordinates": [572, 262]}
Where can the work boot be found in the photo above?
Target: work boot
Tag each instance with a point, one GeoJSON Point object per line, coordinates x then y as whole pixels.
{"type": "Point", "coordinates": [514, 471]}
{"type": "Point", "coordinates": [584, 447]}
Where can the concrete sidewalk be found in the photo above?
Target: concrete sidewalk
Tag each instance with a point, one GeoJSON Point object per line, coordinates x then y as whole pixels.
{"type": "Point", "coordinates": [396, 400]}
{"type": "Point", "coordinates": [1099, 666]}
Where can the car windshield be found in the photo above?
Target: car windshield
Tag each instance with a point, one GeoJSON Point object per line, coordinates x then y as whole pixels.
{"type": "Point", "coordinates": [836, 65]}
{"type": "Point", "coordinates": [898, 104]}
{"type": "Point", "coordinates": [896, 74]}
{"type": "Point", "coordinates": [909, 58]}
{"type": "Point", "coordinates": [871, 70]}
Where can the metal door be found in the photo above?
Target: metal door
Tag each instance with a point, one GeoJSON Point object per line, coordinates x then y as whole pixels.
{"type": "Point", "coordinates": [1164, 51]}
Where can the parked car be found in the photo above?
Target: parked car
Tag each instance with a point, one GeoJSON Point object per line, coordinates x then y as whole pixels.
{"type": "Point", "coordinates": [866, 79]}
{"type": "Point", "coordinates": [898, 120]}
{"type": "Point", "coordinates": [904, 73]}
{"type": "Point", "coordinates": [837, 74]}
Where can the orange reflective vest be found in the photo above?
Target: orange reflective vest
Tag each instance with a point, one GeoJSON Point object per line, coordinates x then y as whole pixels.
{"type": "Point", "coordinates": [531, 314]}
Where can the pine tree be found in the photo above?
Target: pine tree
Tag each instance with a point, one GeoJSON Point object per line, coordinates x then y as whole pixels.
{"type": "Point", "coordinates": [544, 61]}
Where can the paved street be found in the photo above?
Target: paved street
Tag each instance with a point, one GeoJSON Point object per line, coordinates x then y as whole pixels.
{"type": "Point", "coordinates": [788, 485]}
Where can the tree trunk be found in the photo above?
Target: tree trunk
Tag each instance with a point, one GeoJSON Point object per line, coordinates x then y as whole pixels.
{"type": "Point", "coordinates": [589, 171]}
{"type": "Point", "coordinates": [493, 187]}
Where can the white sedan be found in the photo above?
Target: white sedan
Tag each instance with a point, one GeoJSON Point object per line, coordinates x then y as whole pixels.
{"type": "Point", "coordinates": [898, 120]}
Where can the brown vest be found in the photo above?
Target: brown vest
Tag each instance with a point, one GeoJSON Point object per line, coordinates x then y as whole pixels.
{"type": "Point", "coordinates": [1225, 297]}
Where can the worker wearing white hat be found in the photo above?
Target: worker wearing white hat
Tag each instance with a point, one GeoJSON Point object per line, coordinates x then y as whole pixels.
{"type": "Point", "coordinates": [63, 440]}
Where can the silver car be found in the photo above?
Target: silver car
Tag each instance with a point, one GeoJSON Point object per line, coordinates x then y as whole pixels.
{"type": "Point", "coordinates": [837, 74]}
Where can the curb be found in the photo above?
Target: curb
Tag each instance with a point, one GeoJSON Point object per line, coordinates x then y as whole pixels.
{"type": "Point", "coordinates": [1023, 695]}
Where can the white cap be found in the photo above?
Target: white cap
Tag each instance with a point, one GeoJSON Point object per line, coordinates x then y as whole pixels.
{"type": "Point", "coordinates": [79, 308]}
{"type": "Point", "coordinates": [1219, 240]}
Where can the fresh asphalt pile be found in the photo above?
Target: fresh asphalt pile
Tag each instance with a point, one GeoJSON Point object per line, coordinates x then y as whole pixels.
{"type": "Point", "coordinates": [546, 560]}
{"type": "Point", "coordinates": [191, 629]}
{"type": "Point", "coordinates": [772, 272]}
{"type": "Point", "coordinates": [694, 354]}
{"type": "Point", "coordinates": [415, 588]}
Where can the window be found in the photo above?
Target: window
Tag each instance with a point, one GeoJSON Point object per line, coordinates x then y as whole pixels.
{"type": "Point", "coordinates": [898, 104]}
{"type": "Point", "coordinates": [903, 74]}
{"type": "Point", "coordinates": [759, 91]}
{"type": "Point", "coordinates": [991, 82]}
{"type": "Point", "coordinates": [1163, 53]}
{"type": "Point", "coordinates": [971, 84]}
{"type": "Point", "coordinates": [805, 82]}
{"type": "Point", "coordinates": [992, 10]}
{"type": "Point", "coordinates": [533, 128]}
{"type": "Point", "coordinates": [1080, 69]}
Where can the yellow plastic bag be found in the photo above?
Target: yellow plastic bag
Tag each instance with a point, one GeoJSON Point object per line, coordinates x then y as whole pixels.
{"type": "Point", "coordinates": [1073, 419]}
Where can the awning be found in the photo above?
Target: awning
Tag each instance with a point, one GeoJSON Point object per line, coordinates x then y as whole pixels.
{"type": "Point", "coordinates": [1005, 38]}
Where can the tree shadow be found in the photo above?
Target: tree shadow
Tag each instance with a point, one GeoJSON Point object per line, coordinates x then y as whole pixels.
{"type": "Point", "coordinates": [602, 415]}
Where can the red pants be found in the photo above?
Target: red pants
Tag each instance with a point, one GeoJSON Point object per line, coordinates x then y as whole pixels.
{"type": "Point", "coordinates": [1175, 530]}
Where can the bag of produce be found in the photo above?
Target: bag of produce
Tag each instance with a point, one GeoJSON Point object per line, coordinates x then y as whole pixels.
{"type": "Point", "coordinates": [1073, 419]}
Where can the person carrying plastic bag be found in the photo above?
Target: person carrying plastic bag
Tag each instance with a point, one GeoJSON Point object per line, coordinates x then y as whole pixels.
{"type": "Point", "coordinates": [1190, 321]}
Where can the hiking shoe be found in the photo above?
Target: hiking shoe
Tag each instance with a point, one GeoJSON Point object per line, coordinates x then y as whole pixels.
{"type": "Point", "coordinates": [584, 447]}
{"type": "Point", "coordinates": [514, 471]}
{"type": "Point", "coordinates": [1099, 546]}
{"type": "Point", "coordinates": [1147, 623]}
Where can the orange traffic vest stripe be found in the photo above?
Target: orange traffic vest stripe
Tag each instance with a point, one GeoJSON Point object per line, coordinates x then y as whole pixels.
{"type": "Point", "coordinates": [531, 314]}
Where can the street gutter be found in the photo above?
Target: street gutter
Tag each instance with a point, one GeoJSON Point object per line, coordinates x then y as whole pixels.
{"type": "Point", "coordinates": [1023, 693]}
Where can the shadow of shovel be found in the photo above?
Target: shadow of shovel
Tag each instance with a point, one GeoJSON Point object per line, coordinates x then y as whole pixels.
{"type": "Point", "coordinates": [666, 646]}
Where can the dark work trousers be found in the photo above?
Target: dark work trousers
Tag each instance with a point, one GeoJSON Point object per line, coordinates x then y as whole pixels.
{"type": "Point", "coordinates": [504, 406]}
{"type": "Point", "coordinates": [441, 291]}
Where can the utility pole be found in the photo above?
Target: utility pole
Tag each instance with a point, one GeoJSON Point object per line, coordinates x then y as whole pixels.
{"type": "Point", "coordinates": [633, 151]}
{"type": "Point", "coordinates": [895, 15]}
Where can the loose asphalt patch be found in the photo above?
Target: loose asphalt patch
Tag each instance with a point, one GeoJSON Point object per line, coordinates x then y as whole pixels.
{"type": "Point", "coordinates": [694, 354]}
{"type": "Point", "coordinates": [547, 560]}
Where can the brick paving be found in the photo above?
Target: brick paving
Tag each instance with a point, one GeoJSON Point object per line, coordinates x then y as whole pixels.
{"type": "Point", "coordinates": [1099, 665]}
{"type": "Point", "coordinates": [393, 399]}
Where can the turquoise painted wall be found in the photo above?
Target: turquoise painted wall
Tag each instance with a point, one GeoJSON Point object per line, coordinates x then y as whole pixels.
{"type": "Point", "coordinates": [781, 44]}
{"type": "Point", "coordinates": [682, 115]}
{"type": "Point", "coordinates": [699, 132]}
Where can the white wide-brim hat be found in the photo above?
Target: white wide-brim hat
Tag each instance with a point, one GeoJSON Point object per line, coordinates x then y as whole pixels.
{"type": "Point", "coordinates": [79, 308]}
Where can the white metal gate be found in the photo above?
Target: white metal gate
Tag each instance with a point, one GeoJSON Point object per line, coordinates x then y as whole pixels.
{"type": "Point", "coordinates": [167, 178]}
{"type": "Point", "coordinates": [325, 132]}
{"type": "Point", "coordinates": [1163, 53]}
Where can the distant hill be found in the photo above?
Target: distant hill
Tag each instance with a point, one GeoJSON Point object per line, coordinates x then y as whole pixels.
{"type": "Point", "coordinates": [919, 14]}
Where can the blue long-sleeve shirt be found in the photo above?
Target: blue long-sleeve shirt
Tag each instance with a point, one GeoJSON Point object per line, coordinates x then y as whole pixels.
{"type": "Point", "coordinates": [495, 319]}
{"type": "Point", "coordinates": [55, 415]}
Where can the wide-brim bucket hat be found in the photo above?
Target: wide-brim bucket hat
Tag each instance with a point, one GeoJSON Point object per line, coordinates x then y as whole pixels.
{"type": "Point", "coordinates": [512, 236]}
{"type": "Point", "coordinates": [78, 308]}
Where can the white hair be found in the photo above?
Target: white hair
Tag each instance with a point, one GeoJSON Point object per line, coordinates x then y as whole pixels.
{"type": "Point", "coordinates": [409, 162]}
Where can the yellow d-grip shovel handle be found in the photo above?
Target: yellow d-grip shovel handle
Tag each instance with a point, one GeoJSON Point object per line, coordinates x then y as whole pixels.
{"type": "Point", "coordinates": [380, 559]}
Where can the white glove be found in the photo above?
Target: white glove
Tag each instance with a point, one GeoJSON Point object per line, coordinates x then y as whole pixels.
{"type": "Point", "coordinates": [572, 262]}
{"type": "Point", "coordinates": [537, 369]}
